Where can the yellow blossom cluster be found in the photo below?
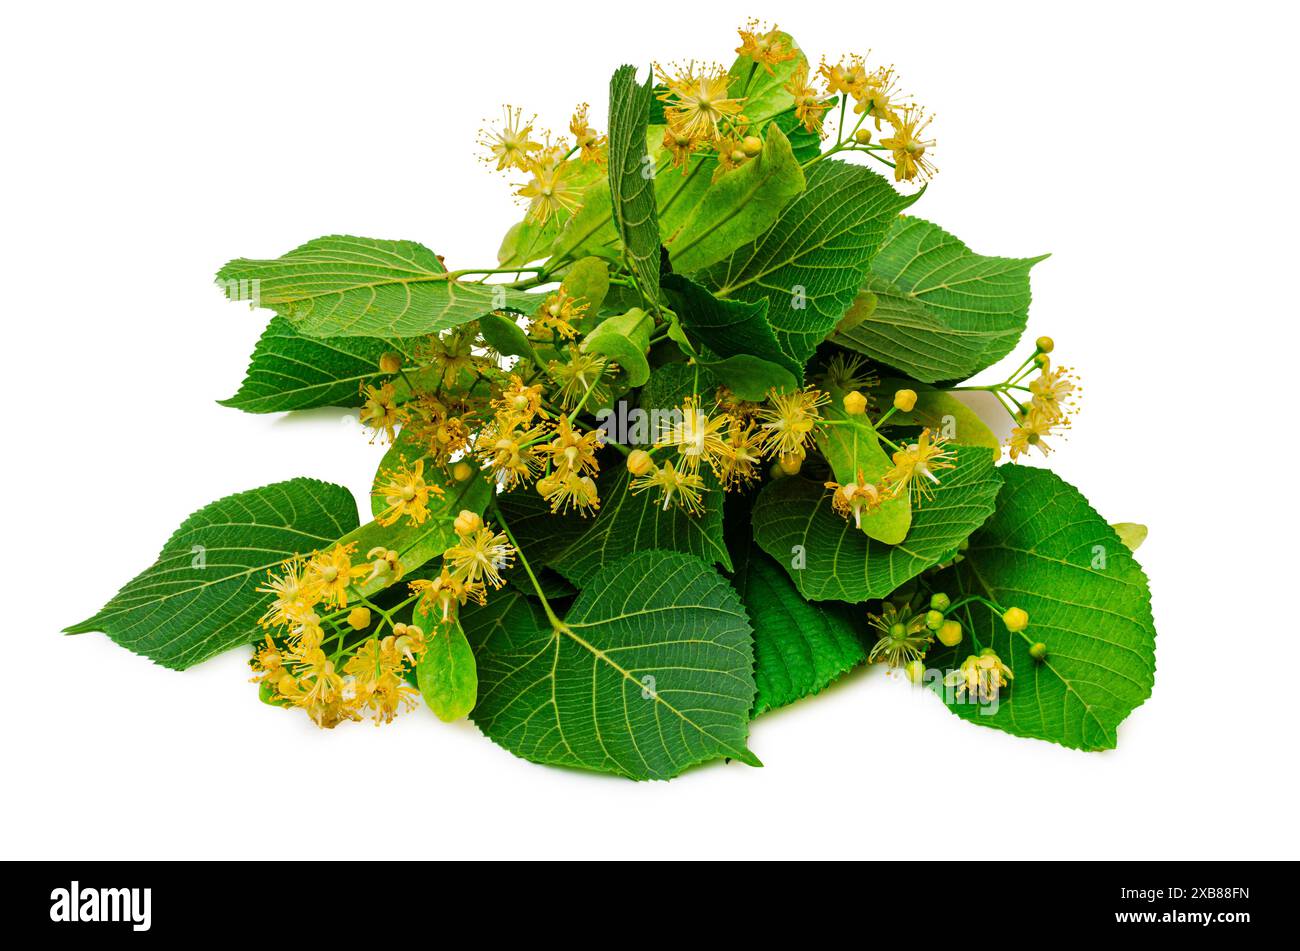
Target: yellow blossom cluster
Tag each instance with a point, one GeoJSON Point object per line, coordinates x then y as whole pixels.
{"type": "Point", "coordinates": [1052, 401]}
{"type": "Point", "coordinates": [469, 568]}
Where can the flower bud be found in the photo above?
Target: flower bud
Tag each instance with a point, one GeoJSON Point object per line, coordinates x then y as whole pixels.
{"type": "Point", "coordinates": [1016, 620]}
{"type": "Point", "coordinates": [359, 618]}
{"type": "Point", "coordinates": [934, 620]}
{"type": "Point", "coordinates": [862, 136]}
{"type": "Point", "coordinates": [940, 602]}
{"type": "Point", "coordinates": [915, 670]}
{"type": "Point", "coordinates": [905, 400]}
{"type": "Point", "coordinates": [467, 522]}
{"type": "Point", "coordinates": [791, 462]}
{"type": "Point", "coordinates": [751, 145]}
{"type": "Point", "coordinates": [1038, 651]}
{"type": "Point", "coordinates": [461, 471]}
{"type": "Point", "coordinates": [855, 404]}
{"type": "Point", "coordinates": [639, 462]}
{"type": "Point", "coordinates": [1045, 344]}
{"type": "Point", "coordinates": [390, 362]}
{"type": "Point", "coordinates": [950, 633]}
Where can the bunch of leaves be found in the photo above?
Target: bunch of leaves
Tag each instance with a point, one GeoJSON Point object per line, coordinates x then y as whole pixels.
{"type": "Point", "coordinates": [597, 588]}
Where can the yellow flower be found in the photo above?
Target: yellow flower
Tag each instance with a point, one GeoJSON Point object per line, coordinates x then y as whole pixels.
{"type": "Point", "coordinates": [745, 452]}
{"type": "Point", "coordinates": [293, 595]}
{"type": "Point", "coordinates": [1053, 392]}
{"type": "Point", "coordinates": [509, 145]}
{"type": "Point", "coordinates": [452, 354]}
{"type": "Point", "coordinates": [695, 103]}
{"type": "Point", "coordinates": [810, 105]}
{"type": "Point", "coordinates": [569, 491]}
{"type": "Point", "coordinates": [268, 661]}
{"type": "Point", "coordinates": [908, 146]}
{"type": "Point", "coordinates": [550, 191]}
{"type": "Point", "coordinates": [380, 411]}
{"type": "Point", "coordinates": [696, 438]}
{"type": "Point", "coordinates": [520, 401]}
{"type": "Point", "coordinates": [480, 555]}
{"type": "Point", "coordinates": [684, 488]}
{"type": "Point", "coordinates": [981, 676]}
{"type": "Point", "coordinates": [573, 453]}
{"type": "Point", "coordinates": [789, 421]}
{"type": "Point", "coordinates": [731, 155]}
{"type": "Point", "coordinates": [585, 137]}
{"type": "Point", "coordinates": [903, 636]}
{"type": "Point", "coordinates": [446, 594]}
{"type": "Point", "coordinates": [846, 372]}
{"type": "Point", "coordinates": [507, 449]}
{"type": "Point", "coordinates": [768, 47]}
{"type": "Point", "coordinates": [405, 493]}
{"type": "Point", "coordinates": [845, 79]}
{"type": "Point", "coordinates": [915, 467]}
{"type": "Point", "coordinates": [578, 374]}
{"type": "Point", "coordinates": [853, 498]}
{"type": "Point", "coordinates": [558, 313]}
{"type": "Point", "coordinates": [331, 573]}
{"type": "Point", "coordinates": [680, 146]}
{"type": "Point", "coordinates": [1031, 430]}
{"type": "Point", "coordinates": [876, 96]}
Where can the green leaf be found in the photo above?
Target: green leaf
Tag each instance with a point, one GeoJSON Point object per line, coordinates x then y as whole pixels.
{"type": "Point", "coordinates": [631, 178]}
{"type": "Point", "coordinates": [587, 280]}
{"type": "Point", "coordinates": [289, 371]}
{"type": "Point", "coordinates": [650, 672]}
{"type": "Point", "coordinates": [751, 378]}
{"type": "Point", "coordinates": [446, 674]}
{"type": "Point", "coordinates": [1048, 552]}
{"type": "Point", "coordinates": [541, 533]}
{"type": "Point", "coordinates": [942, 312]}
{"type": "Point", "coordinates": [799, 648]}
{"type": "Point", "coordinates": [200, 596]}
{"type": "Point", "coordinates": [828, 559]}
{"type": "Point", "coordinates": [738, 207]}
{"type": "Point", "coordinates": [671, 383]}
{"type": "Point", "coordinates": [624, 339]}
{"type": "Point", "coordinates": [342, 286]}
{"type": "Point", "coordinates": [852, 448]}
{"type": "Point", "coordinates": [1132, 534]}
{"type": "Point", "coordinates": [811, 263]}
{"type": "Point", "coordinates": [727, 327]}
{"type": "Point", "coordinates": [504, 335]}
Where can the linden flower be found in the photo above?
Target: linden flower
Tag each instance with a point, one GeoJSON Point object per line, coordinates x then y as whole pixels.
{"type": "Point", "coordinates": [380, 411]}
{"type": "Point", "coordinates": [744, 453]}
{"type": "Point", "coordinates": [480, 556]}
{"type": "Point", "coordinates": [877, 96]}
{"type": "Point", "coordinates": [581, 373]}
{"type": "Point", "coordinates": [765, 47]}
{"type": "Point", "coordinates": [521, 402]}
{"type": "Point", "coordinates": [570, 491]}
{"type": "Point", "coordinates": [809, 104]}
{"type": "Point", "coordinates": [908, 146]}
{"type": "Point", "coordinates": [915, 467]}
{"type": "Point", "coordinates": [680, 146]}
{"type": "Point", "coordinates": [550, 191]}
{"type": "Point", "coordinates": [293, 595]}
{"type": "Point", "coordinates": [981, 676]}
{"type": "Point", "coordinates": [506, 448]}
{"type": "Point", "coordinates": [847, 372]}
{"type": "Point", "coordinates": [268, 661]}
{"type": "Point", "coordinates": [789, 421]}
{"type": "Point", "coordinates": [509, 145]}
{"type": "Point", "coordinates": [405, 493]}
{"type": "Point", "coordinates": [453, 355]}
{"type": "Point", "coordinates": [573, 453]}
{"type": "Point", "coordinates": [446, 594]}
{"type": "Point", "coordinates": [846, 79]}
{"type": "Point", "coordinates": [695, 104]}
{"type": "Point", "coordinates": [1054, 391]}
{"type": "Point", "coordinates": [903, 636]}
{"type": "Point", "coordinates": [331, 574]}
{"type": "Point", "coordinates": [585, 137]}
{"type": "Point", "coordinates": [684, 488]}
{"type": "Point", "coordinates": [853, 498]}
{"type": "Point", "coordinates": [558, 314]}
{"type": "Point", "coordinates": [697, 438]}
{"type": "Point", "coordinates": [1032, 430]}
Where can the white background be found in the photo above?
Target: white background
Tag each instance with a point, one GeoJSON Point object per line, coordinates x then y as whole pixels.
{"type": "Point", "coordinates": [1149, 146]}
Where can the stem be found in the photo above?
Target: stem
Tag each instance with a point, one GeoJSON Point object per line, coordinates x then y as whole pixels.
{"type": "Point", "coordinates": [546, 605]}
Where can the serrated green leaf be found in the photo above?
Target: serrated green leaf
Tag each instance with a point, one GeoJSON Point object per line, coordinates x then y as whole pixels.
{"type": "Point", "coordinates": [751, 378]}
{"type": "Point", "coordinates": [631, 178]}
{"type": "Point", "coordinates": [289, 371]}
{"type": "Point", "coordinates": [942, 312]}
{"type": "Point", "coordinates": [1048, 552]}
{"type": "Point", "coordinates": [738, 207]}
{"type": "Point", "coordinates": [200, 596]}
{"type": "Point", "coordinates": [446, 674]}
{"type": "Point", "coordinates": [810, 265]}
{"type": "Point", "coordinates": [793, 520]}
{"type": "Point", "coordinates": [799, 647]}
{"type": "Point", "coordinates": [727, 327]}
{"type": "Point", "coordinates": [650, 672]}
{"type": "Point", "coordinates": [342, 286]}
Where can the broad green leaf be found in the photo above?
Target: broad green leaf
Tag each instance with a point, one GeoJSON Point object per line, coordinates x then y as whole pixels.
{"type": "Point", "coordinates": [1048, 552]}
{"type": "Point", "coordinates": [290, 371]}
{"type": "Point", "coordinates": [587, 280]}
{"type": "Point", "coordinates": [670, 385]}
{"type": "Point", "coordinates": [942, 312]}
{"type": "Point", "coordinates": [200, 596]}
{"type": "Point", "coordinates": [1132, 534]}
{"type": "Point", "coordinates": [751, 378]}
{"type": "Point", "coordinates": [625, 339]}
{"type": "Point", "coordinates": [342, 286]}
{"type": "Point", "coordinates": [811, 263]}
{"type": "Point", "coordinates": [631, 177]}
{"type": "Point", "coordinates": [739, 206]}
{"type": "Point", "coordinates": [727, 327]}
{"type": "Point", "coordinates": [829, 559]}
{"type": "Point", "coordinates": [852, 447]}
{"type": "Point", "coordinates": [504, 335]}
{"type": "Point", "coordinates": [944, 414]}
{"type": "Point", "coordinates": [541, 533]}
{"type": "Point", "coordinates": [650, 672]}
{"type": "Point", "coordinates": [446, 674]}
{"type": "Point", "coordinates": [799, 647]}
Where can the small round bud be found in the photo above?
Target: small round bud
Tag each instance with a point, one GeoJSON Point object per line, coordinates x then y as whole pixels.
{"type": "Point", "coordinates": [915, 670]}
{"type": "Point", "coordinates": [390, 362]}
{"type": "Point", "coordinates": [751, 145]}
{"type": "Point", "coordinates": [940, 601]}
{"type": "Point", "coordinates": [950, 633]}
{"type": "Point", "coordinates": [934, 620]}
{"type": "Point", "coordinates": [855, 404]}
{"type": "Point", "coordinates": [905, 400]}
{"type": "Point", "coordinates": [862, 136]}
{"type": "Point", "coordinates": [1016, 620]}
{"type": "Point", "coordinates": [639, 462]}
{"type": "Point", "coordinates": [776, 472]}
{"type": "Point", "coordinates": [1045, 344]}
{"type": "Point", "coordinates": [461, 471]}
{"type": "Point", "coordinates": [467, 522]}
{"type": "Point", "coordinates": [1042, 361]}
{"type": "Point", "coordinates": [791, 462]}
{"type": "Point", "coordinates": [1038, 651]}
{"type": "Point", "coordinates": [359, 618]}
